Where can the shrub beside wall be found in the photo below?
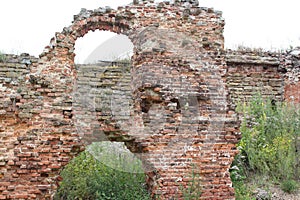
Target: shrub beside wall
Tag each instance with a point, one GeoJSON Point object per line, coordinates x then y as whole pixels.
{"type": "Point", "coordinates": [88, 178]}
{"type": "Point", "coordinates": [270, 142]}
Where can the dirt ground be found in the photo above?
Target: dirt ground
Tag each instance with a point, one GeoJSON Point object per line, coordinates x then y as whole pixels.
{"type": "Point", "coordinates": [278, 194]}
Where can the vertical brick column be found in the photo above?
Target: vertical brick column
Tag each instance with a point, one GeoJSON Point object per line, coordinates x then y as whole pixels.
{"type": "Point", "coordinates": [184, 125]}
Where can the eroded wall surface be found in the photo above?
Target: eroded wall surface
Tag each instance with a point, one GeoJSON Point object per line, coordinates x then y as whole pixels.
{"type": "Point", "coordinates": [172, 107]}
{"type": "Point", "coordinates": [291, 61]}
{"type": "Point", "coordinates": [272, 74]}
{"type": "Point", "coordinates": [251, 73]}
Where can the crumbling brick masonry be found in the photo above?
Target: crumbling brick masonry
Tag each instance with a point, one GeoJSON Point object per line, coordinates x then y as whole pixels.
{"type": "Point", "coordinates": [173, 107]}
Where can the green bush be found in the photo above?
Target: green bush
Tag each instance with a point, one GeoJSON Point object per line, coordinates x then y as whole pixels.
{"type": "Point", "coordinates": [268, 148]}
{"type": "Point", "coordinates": [270, 133]}
{"type": "Point", "coordinates": [289, 186]}
{"type": "Point", "coordinates": [242, 191]}
{"type": "Point", "coordinates": [238, 175]}
{"type": "Point", "coordinates": [87, 178]}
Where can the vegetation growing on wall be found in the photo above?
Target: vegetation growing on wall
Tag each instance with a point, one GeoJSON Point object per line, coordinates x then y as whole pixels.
{"type": "Point", "coordinates": [269, 145]}
{"type": "Point", "coordinates": [193, 189]}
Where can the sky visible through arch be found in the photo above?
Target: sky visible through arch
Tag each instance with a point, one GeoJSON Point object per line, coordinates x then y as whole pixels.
{"type": "Point", "coordinates": [28, 26]}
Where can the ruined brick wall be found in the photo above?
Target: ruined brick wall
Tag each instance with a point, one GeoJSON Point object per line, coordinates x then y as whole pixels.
{"type": "Point", "coordinates": [102, 101]}
{"type": "Point", "coordinates": [178, 75]}
{"type": "Point", "coordinates": [179, 83]}
{"type": "Point", "coordinates": [30, 158]}
{"type": "Point", "coordinates": [25, 159]}
{"type": "Point", "coordinates": [291, 63]}
{"type": "Point", "coordinates": [175, 115]}
{"type": "Point", "coordinates": [273, 74]}
{"type": "Point", "coordinates": [252, 72]}
{"type": "Point", "coordinates": [18, 104]}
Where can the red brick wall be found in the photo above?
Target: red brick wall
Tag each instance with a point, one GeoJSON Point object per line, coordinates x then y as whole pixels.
{"type": "Point", "coordinates": [253, 72]}
{"type": "Point", "coordinates": [181, 119]}
{"type": "Point", "coordinates": [291, 63]}
{"type": "Point", "coordinates": [292, 92]}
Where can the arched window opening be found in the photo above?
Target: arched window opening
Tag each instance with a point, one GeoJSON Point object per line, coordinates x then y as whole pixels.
{"type": "Point", "coordinates": [102, 103]}
{"type": "Point", "coordinates": [102, 98]}
{"type": "Point", "coordinates": [102, 46]}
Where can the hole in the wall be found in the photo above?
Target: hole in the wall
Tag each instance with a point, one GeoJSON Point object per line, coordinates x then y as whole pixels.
{"type": "Point", "coordinates": [102, 97]}
{"type": "Point", "coordinates": [104, 46]}
{"type": "Point", "coordinates": [44, 175]}
{"type": "Point", "coordinates": [145, 105]}
{"type": "Point", "coordinates": [102, 103]}
{"type": "Point", "coordinates": [106, 170]}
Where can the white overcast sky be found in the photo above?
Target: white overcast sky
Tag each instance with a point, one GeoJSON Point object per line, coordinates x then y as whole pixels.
{"type": "Point", "coordinates": [28, 26]}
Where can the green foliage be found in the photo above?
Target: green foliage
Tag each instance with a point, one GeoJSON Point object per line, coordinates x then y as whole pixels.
{"type": "Point", "coordinates": [117, 156]}
{"type": "Point", "coordinates": [87, 178]}
{"type": "Point", "coordinates": [237, 170]}
{"type": "Point", "coordinates": [242, 191]}
{"type": "Point", "coordinates": [289, 186]}
{"type": "Point", "coordinates": [238, 175]}
{"type": "Point", "coordinates": [270, 136]}
{"type": "Point", "coordinates": [193, 189]}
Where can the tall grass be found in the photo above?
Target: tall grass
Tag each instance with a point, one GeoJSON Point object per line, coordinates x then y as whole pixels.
{"type": "Point", "coordinates": [194, 188]}
{"type": "Point", "coordinates": [270, 136]}
{"type": "Point", "coordinates": [270, 141]}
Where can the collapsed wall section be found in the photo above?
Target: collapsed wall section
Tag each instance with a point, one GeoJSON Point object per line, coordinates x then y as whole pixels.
{"type": "Point", "coordinates": [16, 107]}
{"type": "Point", "coordinates": [26, 164]}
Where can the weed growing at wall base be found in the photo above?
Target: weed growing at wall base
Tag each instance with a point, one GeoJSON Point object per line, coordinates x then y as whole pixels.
{"type": "Point", "coordinates": [269, 144]}
{"type": "Point", "coordinates": [193, 189]}
{"type": "Point", "coordinates": [289, 186]}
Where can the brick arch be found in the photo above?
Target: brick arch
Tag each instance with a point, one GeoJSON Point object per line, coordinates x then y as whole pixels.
{"type": "Point", "coordinates": [63, 43]}
{"type": "Point", "coordinates": [42, 137]}
{"type": "Point", "coordinates": [57, 61]}
{"type": "Point", "coordinates": [178, 70]}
